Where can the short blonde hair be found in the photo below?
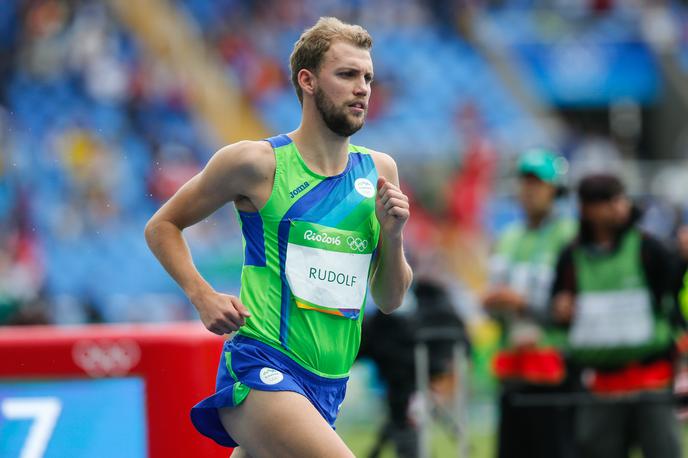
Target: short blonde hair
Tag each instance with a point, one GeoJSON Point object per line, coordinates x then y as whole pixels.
{"type": "Point", "coordinates": [313, 43]}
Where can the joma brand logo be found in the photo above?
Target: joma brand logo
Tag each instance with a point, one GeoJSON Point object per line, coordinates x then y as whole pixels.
{"type": "Point", "coordinates": [299, 189]}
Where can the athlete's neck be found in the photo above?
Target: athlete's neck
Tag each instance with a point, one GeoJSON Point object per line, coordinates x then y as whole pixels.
{"type": "Point", "coordinates": [325, 152]}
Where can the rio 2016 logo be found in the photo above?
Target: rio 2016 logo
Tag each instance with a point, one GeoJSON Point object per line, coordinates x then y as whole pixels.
{"type": "Point", "coordinates": [357, 244]}
{"type": "Point", "coordinates": [322, 237]}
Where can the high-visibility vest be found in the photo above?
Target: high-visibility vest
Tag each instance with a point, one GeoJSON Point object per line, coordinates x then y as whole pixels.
{"type": "Point", "coordinates": [683, 296]}
{"type": "Point", "coordinates": [616, 322]}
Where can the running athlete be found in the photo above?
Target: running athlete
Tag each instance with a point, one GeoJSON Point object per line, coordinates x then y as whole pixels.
{"type": "Point", "coordinates": [320, 219]}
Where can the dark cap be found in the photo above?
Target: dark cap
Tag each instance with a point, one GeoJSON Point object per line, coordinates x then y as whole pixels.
{"type": "Point", "coordinates": [600, 187]}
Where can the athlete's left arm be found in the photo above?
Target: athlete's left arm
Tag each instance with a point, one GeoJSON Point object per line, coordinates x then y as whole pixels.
{"type": "Point", "coordinates": [392, 275]}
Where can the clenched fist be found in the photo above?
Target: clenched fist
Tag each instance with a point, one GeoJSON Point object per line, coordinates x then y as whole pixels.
{"type": "Point", "coordinates": [221, 313]}
{"type": "Point", "coordinates": [391, 208]}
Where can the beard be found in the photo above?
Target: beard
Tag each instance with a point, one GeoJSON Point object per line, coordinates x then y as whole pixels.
{"type": "Point", "coordinates": [336, 119]}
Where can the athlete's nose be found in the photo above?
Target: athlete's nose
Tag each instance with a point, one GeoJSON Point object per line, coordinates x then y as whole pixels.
{"type": "Point", "coordinates": [361, 89]}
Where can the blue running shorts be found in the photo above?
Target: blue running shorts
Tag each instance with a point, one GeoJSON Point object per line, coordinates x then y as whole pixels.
{"type": "Point", "coordinates": [247, 364]}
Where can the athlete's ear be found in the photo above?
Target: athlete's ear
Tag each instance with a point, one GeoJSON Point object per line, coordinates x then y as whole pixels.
{"type": "Point", "coordinates": [306, 79]}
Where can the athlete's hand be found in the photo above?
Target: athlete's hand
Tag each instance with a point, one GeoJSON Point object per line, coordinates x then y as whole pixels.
{"type": "Point", "coordinates": [391, 208]}
{"type": "Point", "coordinates": [221, 313]}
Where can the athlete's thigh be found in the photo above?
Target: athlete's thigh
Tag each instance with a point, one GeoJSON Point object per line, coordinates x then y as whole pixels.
{"type": "Point", "coordinates": [284, 424]}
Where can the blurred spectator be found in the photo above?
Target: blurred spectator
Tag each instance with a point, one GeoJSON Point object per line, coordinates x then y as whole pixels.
{"type": "Point", "coordinates": [93, 53]}
{"type": "Point", "coordinates": [681, 383]}
{"type": "Point", "coordinates": [682, 238]}
{"type": "Point", "coordinates": [470, 187]}
{"type": "Point", "coordinates": [389, 340]}
{"type": "Point", "coordinates": [659, 25]}
{"type": "Point", "coordinates": [21, 272]}
{"type": "Point", "coordinates": [44, 49]}
{"type": "Point", "coordinates": [521, 272]}
{"type": "Point", "coordinates": [613, 290]}
{"type": "Point", "coordinates": [93, 174]}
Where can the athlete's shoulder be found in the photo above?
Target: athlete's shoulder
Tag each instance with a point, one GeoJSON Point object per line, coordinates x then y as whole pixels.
{"type": "Point", "coordinates": [247, 157]}
{"type": "Point", "coordinates": [246, 151]}
{"type": "Point", "coordinates": [384, 163]}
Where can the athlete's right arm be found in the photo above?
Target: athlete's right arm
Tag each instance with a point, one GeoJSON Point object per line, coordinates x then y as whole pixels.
{"type": "Point", "coordinates": [235, 173]}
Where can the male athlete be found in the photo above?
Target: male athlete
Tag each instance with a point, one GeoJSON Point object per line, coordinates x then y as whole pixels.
{"type": "Point", "coordinates": [320, 217]}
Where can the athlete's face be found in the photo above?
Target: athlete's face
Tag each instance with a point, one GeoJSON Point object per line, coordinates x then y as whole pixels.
{"type": "Point", "coordinates": [342, 88]}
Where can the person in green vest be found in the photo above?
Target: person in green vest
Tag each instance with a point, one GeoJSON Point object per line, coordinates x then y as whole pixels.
{"type": "Point", "coordinates": [521, 271]}
{"type": "Point", "coordinates": [682, 237]}
{"type": "Point", "coordinates": [681, 383]}
{"type": "Point", "coordinates": [614, 294]}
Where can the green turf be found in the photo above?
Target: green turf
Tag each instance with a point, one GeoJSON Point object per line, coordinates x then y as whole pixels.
{"type": "Point", "coordinates": [360, 441]}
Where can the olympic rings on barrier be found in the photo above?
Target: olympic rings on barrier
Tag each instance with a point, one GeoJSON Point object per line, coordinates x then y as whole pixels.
{"type": "Point", "coordinates": [105, 358]}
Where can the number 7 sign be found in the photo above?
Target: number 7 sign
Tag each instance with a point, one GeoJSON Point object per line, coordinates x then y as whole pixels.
{"type": "Point", "coordinates": [44, 412]}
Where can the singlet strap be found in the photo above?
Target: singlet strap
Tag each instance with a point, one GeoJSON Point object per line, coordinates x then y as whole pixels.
{"type": "Point", "coordinates": [278, 141]}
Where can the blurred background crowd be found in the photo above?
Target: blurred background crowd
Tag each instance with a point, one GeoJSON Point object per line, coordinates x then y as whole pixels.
{"type": "Point", "coordinates": [107, 107]}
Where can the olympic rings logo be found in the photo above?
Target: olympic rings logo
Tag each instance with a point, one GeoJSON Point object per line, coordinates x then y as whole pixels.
{"type": "Point", "coordinates": [357, 244]}
{"type": "Point", "coordinates": [106, 358]}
